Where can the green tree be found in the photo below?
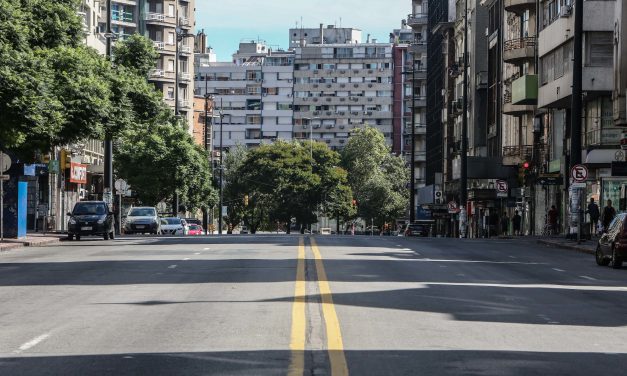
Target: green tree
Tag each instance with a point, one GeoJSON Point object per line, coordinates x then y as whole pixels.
{"type": "Point", "coordinates": [164, 161]}
{"type": "Point", "coordinates": [137, 53]}
{"type": "Point", "coordinates": [377, 178]}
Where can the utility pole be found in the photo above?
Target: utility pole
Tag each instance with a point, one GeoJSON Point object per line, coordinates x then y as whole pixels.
{"type": "Point", "coordinates": [108, 143]}
{"type": "Point", "coordinates": [464, 157]}
{"type": "Point", "coordinates": [412, 182]}
{"type": "Point", "coordinates": [221, 172]}
{"type": "Point", "coordinates": [576, 103]}
{"type": "Point", "coordinates": [205, 143]}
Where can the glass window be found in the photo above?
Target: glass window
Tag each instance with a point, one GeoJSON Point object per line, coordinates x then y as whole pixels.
{"type": "Point", "coordinates": [142, 212]}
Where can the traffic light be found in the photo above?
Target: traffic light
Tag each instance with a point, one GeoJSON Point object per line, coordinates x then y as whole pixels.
{"type": "Point", "coordinates": [524, 169]}
{"type": "Point", "coordinates": [245, 200]}
{"type": "Point", "coordinates": [66, 159]}
{"type": "Point", "coordinates": [354, 202]}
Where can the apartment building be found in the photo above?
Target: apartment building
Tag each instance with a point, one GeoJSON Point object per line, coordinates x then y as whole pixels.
{"type": "Point", "coordinates": [254, 94]}
{"type": "Point", "coordinates": [329, 35]}
{"type": "Point", "coordinates": [340, 87]}
{"type": "Point", "coordinates": [600, 135]}
{"type": "Point", "coordinates": [620, 65]}
{"type": "Point", "coordinates": [169, 23]}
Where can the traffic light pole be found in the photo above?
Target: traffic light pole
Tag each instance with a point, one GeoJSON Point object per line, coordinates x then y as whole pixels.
{"type": "Point", "coordinates": [575, 119]}
{"type": "Point", "coordinates": [108, 143]}
{"type": "Point", "coordinates": [221, 172]}
{"type": "Point", "coordinates": [463, 192]}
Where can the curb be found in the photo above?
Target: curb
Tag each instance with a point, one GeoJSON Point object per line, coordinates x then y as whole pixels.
{"type": "Point", "coordinates": [11, 247]}
{"type": "Point", "coordinates": [573, 247]}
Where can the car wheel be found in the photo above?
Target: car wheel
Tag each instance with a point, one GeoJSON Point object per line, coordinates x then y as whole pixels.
{"type": "Point", "coordinates": [600, 258]}
{"type": "Point", "coordinates": [78, 237]}
{"type": "Point", "coordinates": [617, 262]}
{"type": "Point", "coordinates": [70, 237]}
{"type": "Point", "coordinates": [106, 236]}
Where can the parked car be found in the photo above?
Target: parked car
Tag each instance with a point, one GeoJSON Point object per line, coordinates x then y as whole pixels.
{"type": "Point", "coordinates": [90, 218]}
{"type": "Point", "coordinates": [612, 246]}
{"type": "Point", "coordinates": [244, 230]}
{"type": "Point", "coordinates": [142, 219]}
{"type": "Point", "coordinates": [195, 230]}
{"type": "Point", "coordinates": [193, 221]}
{"type": "Point", "coordinates": [416, 230]}
{"type": "Point", "coordinates": [172, 226]}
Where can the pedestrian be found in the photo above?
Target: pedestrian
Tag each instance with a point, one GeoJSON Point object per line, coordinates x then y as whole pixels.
{"type": "Point", "coordinates": [552, 217]}
{"type": "Point", "coordinates": [608, 215]}
{"type": "Point", "coordinates": [593, 212]}
{"type": "Point", "coordinates": [516, 220]}
{"type": "Point", "coordinates": [504, 224]}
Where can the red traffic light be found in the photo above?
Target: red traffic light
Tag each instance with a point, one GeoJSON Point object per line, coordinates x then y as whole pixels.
{"type": "Point", "coordinates": [526, 165]}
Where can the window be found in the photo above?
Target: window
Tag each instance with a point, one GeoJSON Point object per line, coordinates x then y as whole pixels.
{"type": "Point", "coordinates": [599, 49]}
{"type": "Point", "coordinates": [170, 94]}
{"type": "Point", "coordinates": [253, 104]}
{"type": "Point", "coordinates": [253, 119]}
{"type": "Point", "coordinates": [171, 38]}
{"type": "Point", "coordinates": [170, 65]}
{"type": "Point", "coordinates": [171, 11]}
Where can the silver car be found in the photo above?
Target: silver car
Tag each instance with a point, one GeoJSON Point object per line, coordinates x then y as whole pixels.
{"type": "Point", "coordinates": [144, 220]}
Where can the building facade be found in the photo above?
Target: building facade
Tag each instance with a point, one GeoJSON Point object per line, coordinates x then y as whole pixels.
{"type": "Point", "coordinates": [253, 93]}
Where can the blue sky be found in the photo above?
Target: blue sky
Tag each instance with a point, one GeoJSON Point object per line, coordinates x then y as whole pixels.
{"type": "Point", "coordinates": [226, 22]}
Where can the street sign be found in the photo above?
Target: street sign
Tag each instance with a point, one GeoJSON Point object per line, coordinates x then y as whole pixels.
{"type": "Point", "coordinates": [501, 186]}
{"type": "Point", "coordinates": [578, 185]}
{"type": "Point", "coordinates": [4, 177]}
{"type": "Point", "coordinates": [452, 207]}
{"type": "Point", "coordinates": [579, 173]}
{"type": "Point", "coordinates": [5, 162]}
{"type": "Point", "coordinates": [550, 180]}
{"type": "Point", "coordinates": [121, 185]}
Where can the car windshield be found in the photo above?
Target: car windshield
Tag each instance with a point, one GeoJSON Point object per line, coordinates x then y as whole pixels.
{"type": "Point", "coordinates": [173, 221]}
{"type": "Point", "coordinates": [142, 212]}
{"type": "Point", "coordinates": [194, 227]}
{"type": "Point", "coordinates": [89, 209]}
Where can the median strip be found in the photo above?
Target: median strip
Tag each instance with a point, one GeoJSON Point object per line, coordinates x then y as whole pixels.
{"type": "Point", "coordinates": [297, 340]}
{"type": "Point", "coordinates": [335, 345]}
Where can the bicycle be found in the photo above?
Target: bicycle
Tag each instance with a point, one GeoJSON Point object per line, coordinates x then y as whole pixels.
{"type": "Point", "coordinates": [549, 229]}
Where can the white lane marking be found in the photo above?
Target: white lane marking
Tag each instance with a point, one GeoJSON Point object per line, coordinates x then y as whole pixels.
{"type": "Point", "coordinates": [197, 253]}
{"type": "Point", "coordinates": [512, 257]}
{"type": "Point", "coordinates": [588, 278]}
{"type": "Point", "coordinates": [33, 342]}
{"type": "Point", "coordinates": [405, 249]}
{"type": "Point", "coordinates": [476, 261]}
{"type": "Point", "coordinates": [171, 266]}
{"type": "Point", "coordinates": [558, 270]}
{"type": "Point", "coordinates": [398, 245]}
{"type": "Point", "coordinates": [186, 258]}
{"type": "Point", "coordinates": [206, 249]}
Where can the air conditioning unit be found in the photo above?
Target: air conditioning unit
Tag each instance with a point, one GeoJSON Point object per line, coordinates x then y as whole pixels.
{"type": "Point", "coordinates": [329, 126]}
{"type": "Point", "coordinates": [369, 99]}
{"type": "Point", "coordinates": [370, 71]}
{"type": "Point", "coordinates": [305, 98]}
{"type": "Point", "coordinates": [316, 113]}
{"type": "Point", "coordinates": [342, 141]}
{"type": "Point", "coordinates": [342, 99]}
{"type": "Point", "coordinates": [328, 141]}
{"type": "Point", "coordinates": [356, 71]}
{"type": "Point", "coordinates": [329, 113]}
{"type": "Point", "coordinates": [342, 126]}
{"type": "Point", "coordinates": [566, 11]}
{"type": "Point", "coordinates": [342, 85]}
{"type": "Point", "coordinates": [265, 94]}
{"type": "Point", "coordinates": [342, 71]}
{"type": "Point", "coordinates": [381, 69]}
{"type": "Point", "coordinates": [315, 85]}
{"type": "Point", "coordinates": [328, 86]}
{"type": "Point", "coordinates": [290, 80]}
{"type": "Point", "coordinates": [369, 85]}
{"type": "Point", "coordinates": [316, 126]}
{"type": "Point", "coordinates": [315, 71]}
{"type": "Point", "coordinates": [315, 99]}
{"type": "Point", "coordinates": [355, 113]}
{"type": "Point", "coordinates": [356, 85]}
{"type": "Point", "coordinates": [289, 95]}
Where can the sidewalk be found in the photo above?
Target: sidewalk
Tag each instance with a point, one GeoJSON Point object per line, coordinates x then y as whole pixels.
{"type": "Point", "coordinates": [588, 246]}
{"type": "Point", "coordinates": [32, 240]}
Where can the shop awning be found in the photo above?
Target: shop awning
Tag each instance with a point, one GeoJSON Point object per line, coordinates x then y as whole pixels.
{"type": "Point", "coordinates": [604, 156]}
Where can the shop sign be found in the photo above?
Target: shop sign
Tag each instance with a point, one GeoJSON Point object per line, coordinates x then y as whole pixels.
{"type": "Point", "coordinates": [29, 170]}
{"type": "Point", "coordinates": [550, 180]}
{"type": "Point", "coordinates": [78, 173]}
{"type": "Point", "coordinates": [555, 165]}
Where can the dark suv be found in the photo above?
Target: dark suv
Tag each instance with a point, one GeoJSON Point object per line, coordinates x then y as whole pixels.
{"type": "Point", "coordinates": [90, 218]}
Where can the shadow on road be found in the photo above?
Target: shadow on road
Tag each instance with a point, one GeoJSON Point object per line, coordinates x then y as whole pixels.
{"type": "Point", "coordinates": [363, 363]}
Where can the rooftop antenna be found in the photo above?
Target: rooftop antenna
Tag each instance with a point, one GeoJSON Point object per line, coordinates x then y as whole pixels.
{"type": "Point", "coordinates": [340, 22]}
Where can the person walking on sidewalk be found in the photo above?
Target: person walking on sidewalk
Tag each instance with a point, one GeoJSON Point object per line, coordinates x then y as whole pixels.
{"type": "Point", "coordinates": [593, 212]}
{"type": "Point", "coordinates": [516, 220]}
{"type": "Point", "coordinates": [504, 224]}
{"type": "Point", "coordinates": [552, 214]}
{"type": "Point", "coordinates": [608, 215]}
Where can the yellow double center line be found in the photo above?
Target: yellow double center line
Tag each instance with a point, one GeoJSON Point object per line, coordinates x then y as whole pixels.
{"type": "Point", "coordinates": [335, 345]}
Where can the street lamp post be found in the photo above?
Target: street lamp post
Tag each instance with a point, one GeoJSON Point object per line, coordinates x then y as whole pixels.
{"type": "Point", "coordinates": [207, 147]}
{"type": "Point", "coordinates": [412, 182]}
{"type": "Point", "coordinates": [463, 194]}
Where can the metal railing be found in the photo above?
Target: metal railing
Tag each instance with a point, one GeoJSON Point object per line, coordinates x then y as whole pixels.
{"type": "Point", "coordinates": [514, 44]}
{"type": "Point", "coordinates": [416, 18]}
{"type": "Point", "coordinates": [608, 136]}
{"type": "Point", "coordinates": [154, 17]}
{"type": "Point", "coordinates": [159, 45]}
{"type": "Point", "coordinates": [522, 151]}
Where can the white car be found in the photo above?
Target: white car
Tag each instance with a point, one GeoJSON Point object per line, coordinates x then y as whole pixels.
{"type": "Point", "coordinates": [173, 226]}
{"type": "Point", "coordinates": [142, 220]}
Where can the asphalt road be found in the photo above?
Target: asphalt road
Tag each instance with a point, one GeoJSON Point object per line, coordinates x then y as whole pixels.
{"type": "Point", "coordinates": [325, 305]}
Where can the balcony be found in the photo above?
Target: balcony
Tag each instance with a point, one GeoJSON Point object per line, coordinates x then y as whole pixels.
{"type": "Point", "coordinates": [512, 109]}
{"type": "Point", "coordinates": [154, 17]}
{"type": "Point", "coordinates": [157, 73]}
{"type": "Point", "coordinates": [419, 47]}
{"type": "Point", "coordinates": [525, 90]}
{"type": "Point", "coordinates": [602, 137]}
{"type": "Point", "coordinates": [518, 50]}
{"type": "Point", "coordinates": [185, 76]}
{"type": "Point", "coordinates": [122, 17]}
{"type": "Point", "coordinates": [417, 19]}
{"type": "Point", "coordinates": [519, 151]}
{"type": "Point", "coordinates": [185, 22]}
{"type": "Point", "coordinates": [420, 129]}
{"type": "Point", "coordinates": [519, 6]}
{"type": "Point", "coordinates": [184, 103]}
{"type": "Point", "coordinates": [159, 45]}
{"type": "Point", "coordinates": [419, 74]}
{"type": "Point", "coordinates": [185, 49]}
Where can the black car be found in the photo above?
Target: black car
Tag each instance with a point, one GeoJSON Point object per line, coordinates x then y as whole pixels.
{"type": "Point", "coordinates": [415, 229]}
{"type": "Point", "coordinates": [90, 218]}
